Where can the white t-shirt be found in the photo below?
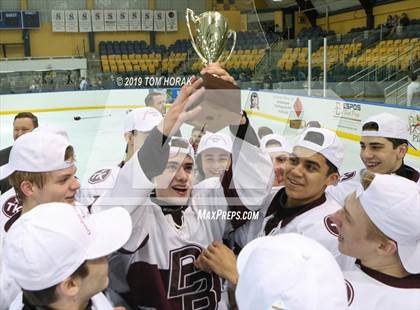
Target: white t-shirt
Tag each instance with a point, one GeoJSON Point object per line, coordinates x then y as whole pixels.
{"type": "Point", "coordinates": [369, 289]}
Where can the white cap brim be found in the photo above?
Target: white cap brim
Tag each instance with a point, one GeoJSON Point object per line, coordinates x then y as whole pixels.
{"type": "Point", "coordinates": [410, 257]}
{"type": "Point", "coordinates": [105, 240]}
{"type": "Point", "coordinates": [5, 171]}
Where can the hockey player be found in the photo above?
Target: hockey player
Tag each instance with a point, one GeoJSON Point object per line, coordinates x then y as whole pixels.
{"type": "Point", "coordinates": [137, 126]}
{"type": "Point", "coordinates": [213, 155]}
{"type": "Point", "coordinates": [58, 257]}
{"type": "Point", "coordinates": [379, 225]}
{"type": "Point", "coordinates": [41, 169]}
{"type": "Point", "coordinates": [156, 267]}
{"type": "Point", "coordinates": [279, 150]}
{"type": "Point", "coordinates": [383, 147]}
{"type": "Point", "coordinates": [301, 206]}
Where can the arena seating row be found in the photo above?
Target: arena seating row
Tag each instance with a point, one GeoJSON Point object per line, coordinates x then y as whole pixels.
{"type": "Point", "coordinates": [138, 56]}
{"type": "Point", "coordinates": [240, 59]}
{"type": "Point", "coordinates": [299, 56]}
{"type": "Point", "coordinates": [397, 53]}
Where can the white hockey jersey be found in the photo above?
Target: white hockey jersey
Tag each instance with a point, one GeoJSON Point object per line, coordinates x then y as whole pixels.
{"type": "Point", "coordinates": [10, 206]}
{"type": "Point", "coordinates": [370, 289]}
{"type": "Point", "coordinates": [155, 269]}
{"type": "Point", "coordinates": [158, 259]}
{"type": "Point", "coordinates": [98, 182]}
{"type": "Point", "coordinates": [351, 181]}
{"type": "Point", "coordinates": [312, 220]}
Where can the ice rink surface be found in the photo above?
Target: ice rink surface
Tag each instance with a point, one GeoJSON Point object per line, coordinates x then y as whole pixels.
{"type": "Point", "coordinates": [99, 142]}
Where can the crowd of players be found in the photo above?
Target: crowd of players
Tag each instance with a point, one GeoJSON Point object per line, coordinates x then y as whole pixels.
{"type": "Point", "coordinates": [134, 235]}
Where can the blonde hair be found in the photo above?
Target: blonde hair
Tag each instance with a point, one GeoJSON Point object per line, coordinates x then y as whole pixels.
{"type": "Point", "coordinates": [37, 178]}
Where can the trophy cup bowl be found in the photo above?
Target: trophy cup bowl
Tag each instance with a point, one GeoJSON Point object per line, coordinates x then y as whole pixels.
{"type": "Point", "coordinates": [210, 36]}
{"type": "Point", "coordinates": [221, 104]}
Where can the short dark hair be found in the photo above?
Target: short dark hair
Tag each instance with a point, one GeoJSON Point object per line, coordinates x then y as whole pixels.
{"type": "Point", "coordinates": [263, 131]}
{"type": "Point", "coordinates": [331, 167]}
{"type": "Point", "coordinates": [412, 76]}
{"type": "Point", "coordinates": [373, 126]}
{"type": "Point", "coordinates": [150, 98]}
{"type": "Point", "coordinates": [48, 296]}
{"type": "Point", "coordinates": [28, 115]}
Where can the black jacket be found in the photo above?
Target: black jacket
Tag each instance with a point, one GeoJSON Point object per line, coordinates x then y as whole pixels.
{"type": "Point", "coordinates": [4, 159]}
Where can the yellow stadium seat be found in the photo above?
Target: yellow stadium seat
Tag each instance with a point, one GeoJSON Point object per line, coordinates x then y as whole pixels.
{"type": "Point", "coordinates": [128, 67]}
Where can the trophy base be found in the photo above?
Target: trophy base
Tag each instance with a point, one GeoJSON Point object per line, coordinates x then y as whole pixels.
{"type": "Point", "coordinates": [220, 102]}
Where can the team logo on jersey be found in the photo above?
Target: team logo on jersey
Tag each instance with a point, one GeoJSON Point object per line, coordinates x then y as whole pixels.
{"type": "Point", "coordinates": [350, 293]}
{"type": "Point", "coordinates": [347, 176]}
{"type": "Point", "coordinates": [331, 227]}
{"type": "Point", "coordinates": [11, 206]}
{"type": "Point", "coordinates": [99, 176]}
{"type": "Point", "coordinates": [196, 289]}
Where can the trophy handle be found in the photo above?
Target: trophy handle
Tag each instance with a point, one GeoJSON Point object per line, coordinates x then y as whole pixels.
{"type": "Point", "coordinates": [230, 33]}
{"type": "Point", "coordinates": [190, 13]}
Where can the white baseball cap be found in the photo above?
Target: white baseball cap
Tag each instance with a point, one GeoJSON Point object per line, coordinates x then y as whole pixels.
{"type": "Point", "coordinates": [289, 271]}
{"type": "Point", "coordinates": [389, 126]}
{"type": "Point", "coordinates": [325, 142]}
{"type": "Point", "coordinates": [181, 145]}
{"type": "Point", "coordinates": [284, 144]}
{"type": "Point", "coordinates": [52, 129]}
{"type": "Point", "coordinates": [393, 205]}
{"type": "Point", "coordinates": [142, 119]}
{"type": "Point", "coordinates": [215, 140]}
{"type": "Point", "coordinates": [49, 243]}
{"type": "Point", "coordinates": [37, 151]}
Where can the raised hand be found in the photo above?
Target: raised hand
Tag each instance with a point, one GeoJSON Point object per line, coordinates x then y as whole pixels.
{"type": "Point", "coordinates": [216, 69]}
{"type": "Point", "coordinates": [178, 113]}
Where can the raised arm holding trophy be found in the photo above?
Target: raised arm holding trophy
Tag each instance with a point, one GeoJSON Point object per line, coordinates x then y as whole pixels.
{"type": "Point", "coordinates": [221, 105]}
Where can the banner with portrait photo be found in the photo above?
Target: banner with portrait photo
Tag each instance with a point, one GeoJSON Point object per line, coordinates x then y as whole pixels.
{"type": "Point", "coordinates": [122, 20]}
{"type": "Point", "coordinates": [159, 21]}
{"type": "Point", "coordinates": [134, 20]}
{"type": "Point", "coordinates": [58, 21]}
{"type": "Point", "coordinates": [171, 21]}
{"type": "Point", "coordinates": [110, 20]}
{"type": "Point", "coordinates": [71, 21]}
{"type": "Point", "coordinates": [147, 20]}
{"type": "Point", "coordinates": [85, 24]}
{"type": "Point", "coordinates": [98, 20]}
